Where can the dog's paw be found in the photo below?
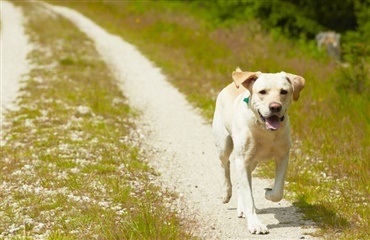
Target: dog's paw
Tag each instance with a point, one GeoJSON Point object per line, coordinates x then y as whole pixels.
{"type": "Point", "coordinates": [240, 210]}
{"type": "Point", "coordinates": [258, 229]}
{"type": "Point", "coordinates": [271, 195]}
{"type": "Point", "coordinates": [255, 226]}
{"type": "Point", "coordinates": [226, 199]}
{"type": "Point", "coordinates": [227, 196]}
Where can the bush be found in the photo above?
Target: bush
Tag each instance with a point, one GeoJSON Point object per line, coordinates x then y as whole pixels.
{"type": "Point", "coordinates": [356, 75]}
{"type": "Point", "coordinates": [294, 17]}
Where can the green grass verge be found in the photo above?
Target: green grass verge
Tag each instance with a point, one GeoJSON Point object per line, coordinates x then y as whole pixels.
{"type": "Point", "coordinates": [71, 162]}
{"type": "Point", "coordinates": [328, 176]}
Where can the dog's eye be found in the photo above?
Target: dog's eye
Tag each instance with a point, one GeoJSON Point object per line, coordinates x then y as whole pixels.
{"type": "Point", "coordinates": [283, 92]}
{"type": "Point", "coordinates": [263, 92]}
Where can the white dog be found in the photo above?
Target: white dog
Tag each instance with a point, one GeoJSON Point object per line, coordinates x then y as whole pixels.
{"type": "Point", "coordinates": [252, 123]}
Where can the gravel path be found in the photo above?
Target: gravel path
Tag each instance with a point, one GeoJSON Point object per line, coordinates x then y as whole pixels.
{"type": "Point", "coordinates": [14, 49]}
{"type": "Point", "coordinates": [182, 144]}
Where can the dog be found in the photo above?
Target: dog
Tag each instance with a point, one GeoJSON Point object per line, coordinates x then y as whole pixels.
{"type": "Point", "coordinates": [251, 124]}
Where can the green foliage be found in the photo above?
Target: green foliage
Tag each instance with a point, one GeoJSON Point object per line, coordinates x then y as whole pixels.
{"type": "Point", "coordinates": [355, 77]}
{"type": "Point", "coordinates": [337, 15]}
{"type": "Point", "coordinates": [294, 17]}
{"type": "Point", "coordinates": [283, 15]}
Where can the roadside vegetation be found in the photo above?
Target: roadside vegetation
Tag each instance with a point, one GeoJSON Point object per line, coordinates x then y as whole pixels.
{"type": "Point", "coordinates": [198, 50]}
{"type": "Point", "coordinates": [71, 160]}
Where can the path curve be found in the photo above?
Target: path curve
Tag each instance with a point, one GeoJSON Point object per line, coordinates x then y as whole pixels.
{"type": "Point", "coordinates": [183, 146]}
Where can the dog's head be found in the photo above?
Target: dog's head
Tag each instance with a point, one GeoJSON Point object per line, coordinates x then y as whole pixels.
{"type": "Point", "coordinates": [270, 94]}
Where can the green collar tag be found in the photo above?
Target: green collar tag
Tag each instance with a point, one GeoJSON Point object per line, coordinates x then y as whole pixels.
{"type": "Point", "coordinates": [246, 100]}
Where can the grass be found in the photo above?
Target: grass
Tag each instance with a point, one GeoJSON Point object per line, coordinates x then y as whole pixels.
{"type": "Point", "coordinates": [328, 177]}
{"type": "Point", "coordinates": [72, 166]}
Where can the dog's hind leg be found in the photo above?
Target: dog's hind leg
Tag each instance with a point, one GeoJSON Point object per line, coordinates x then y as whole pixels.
{"type": "Point", "coordinates": [224, 145]}
{"type": "Point", "coordinates": [224, 154]}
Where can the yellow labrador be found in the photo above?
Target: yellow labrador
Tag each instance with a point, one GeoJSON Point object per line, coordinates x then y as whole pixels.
{"type": "Point", "coordinates": [251, 122]}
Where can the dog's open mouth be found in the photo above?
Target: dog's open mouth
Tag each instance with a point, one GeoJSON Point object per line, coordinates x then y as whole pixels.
{"type": "Point", "coordinates": [273, 122]}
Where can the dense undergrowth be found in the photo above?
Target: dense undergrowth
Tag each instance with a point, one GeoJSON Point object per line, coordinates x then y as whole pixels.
{"type": "Point", "coordinates": [328, 176]}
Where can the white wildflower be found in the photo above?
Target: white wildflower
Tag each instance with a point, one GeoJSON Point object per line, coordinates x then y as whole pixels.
{"type": "Point", "coordinates": [75, 170]}
{"type": "Point", "coordinates": [83, 110]}
{"type": "Point", "coordinates": [104, 204]}
{"type": "Point", "coordinates": [74, 136]}
{"type": "Point", "coordinates": [28, 123]}
{"type": "Point", "coordinates": [38, 227]}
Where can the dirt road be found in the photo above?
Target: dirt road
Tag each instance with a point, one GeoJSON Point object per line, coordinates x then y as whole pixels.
{"type": "Point", "coordinates": [14, 49]}
{"type": "Point", "coordinates": [182, 146]}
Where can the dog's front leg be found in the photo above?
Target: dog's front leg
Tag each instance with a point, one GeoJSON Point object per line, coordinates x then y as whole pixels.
{"type": "Point", "coordinates": [246, 205]}
{"type": "Point", "coordinates": [277, 193]}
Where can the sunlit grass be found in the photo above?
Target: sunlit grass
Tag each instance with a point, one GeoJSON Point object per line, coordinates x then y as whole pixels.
{"type": "Point", "coordinates": [328, 175]}
{"type": "Point", "coordinates": [71, 162]}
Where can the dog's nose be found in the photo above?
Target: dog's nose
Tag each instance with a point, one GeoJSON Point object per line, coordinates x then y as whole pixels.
{"type": "Point", "coordinates": [275, 107]}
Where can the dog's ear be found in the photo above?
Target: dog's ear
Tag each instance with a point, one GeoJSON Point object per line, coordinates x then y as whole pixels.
{"type": "Point", "coordinates": [298, 84]}
{"type": "Point", "coordinates": [244, 78]}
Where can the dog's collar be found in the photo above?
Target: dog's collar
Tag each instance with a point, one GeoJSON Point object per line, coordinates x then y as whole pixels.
{"type": "Point", "coordinates": [246, 100]}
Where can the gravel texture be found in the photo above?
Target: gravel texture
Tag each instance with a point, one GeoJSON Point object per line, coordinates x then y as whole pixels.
{"type": "Point", "coordinates": [14, 50]}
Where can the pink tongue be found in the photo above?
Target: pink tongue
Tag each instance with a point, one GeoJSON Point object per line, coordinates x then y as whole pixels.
{"type": "Point", "coordinates": [273, 123]}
